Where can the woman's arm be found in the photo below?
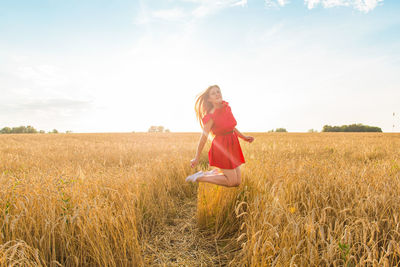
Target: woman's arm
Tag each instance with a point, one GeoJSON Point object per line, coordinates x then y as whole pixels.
{"type": "Point", "coordinates": [246, 138]}
{"type": "Point", "coordinates": [202, 142]}
{"type": "Point", "coordinates": [239, 133]}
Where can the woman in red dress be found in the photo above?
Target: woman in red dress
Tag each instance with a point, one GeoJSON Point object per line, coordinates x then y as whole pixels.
{"type": "Point", "coordinates": [215, 115]}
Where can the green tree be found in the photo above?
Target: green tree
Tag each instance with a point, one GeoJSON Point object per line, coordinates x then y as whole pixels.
{"type": "Point", "coordinates": [156, 129]}
{"type": "Point", "coordinates": [20, 129]}
{"type": "Point", "coordinates": [152, 129]}
{"type": "Point", "coordinates": [6, 130]}
{"type": "Point", "coordinates": [351, 128]}
{"type": "Point", "coordinates": [30, 129]}
{"type": "Point", "coordinates": [280, 130]}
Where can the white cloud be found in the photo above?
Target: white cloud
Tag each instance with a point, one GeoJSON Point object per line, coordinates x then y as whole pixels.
{"type": "Point", "coordinates": [143, 17]}
{"type": "Point", "coordinates": [41, 75]}
{"type": "Point", "coordinates": [282, 2]}
{"type": "Point", "coordinates": [209, 7]}
{"type": "Point", "coordinates": [241, 3]}
{"type": "Point", "coordinates": [366, 5]}
{"type": "Point", "coordinates": [169, 14]}
{"type": "Point", "coordinates": [201, 9]}
{"type": "Point", "coordinates": [276, 3]}
{"type": "Point", "coordinates": [334, 3]}
{"type": "Point", "coordinates": [312, 3]}
{"type": "Point", "coordinates": [204, 10]}
{"type": "Point", "coordinates": [361, 5]}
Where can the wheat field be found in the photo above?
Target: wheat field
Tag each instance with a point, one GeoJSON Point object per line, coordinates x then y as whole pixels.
{"type": "Point", "coordinates": [120, 199]}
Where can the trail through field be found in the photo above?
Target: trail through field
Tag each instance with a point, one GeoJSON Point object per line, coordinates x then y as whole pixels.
{"type": "Point", "coordinates": [182, 243]}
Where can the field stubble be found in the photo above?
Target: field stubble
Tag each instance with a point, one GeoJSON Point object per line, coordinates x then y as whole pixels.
{"type": "Point", "coordinates": [315, 199]}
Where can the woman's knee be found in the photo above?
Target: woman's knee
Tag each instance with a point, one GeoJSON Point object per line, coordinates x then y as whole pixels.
{"type": "Point", "coordinates": [238, 177]}
{"type": "Point", "coordinates": [232, 178]}
{"type": "Point", "coordinates": [234, 184]}
{"type": "Point", "coordinates": [238, 180]}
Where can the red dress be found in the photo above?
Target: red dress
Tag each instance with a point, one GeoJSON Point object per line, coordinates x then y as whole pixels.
{"type": "Point", "coordinates": [225, 151]}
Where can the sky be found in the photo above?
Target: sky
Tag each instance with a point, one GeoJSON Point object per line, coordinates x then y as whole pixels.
{"type": "Point", "coordinates": [123, 66]}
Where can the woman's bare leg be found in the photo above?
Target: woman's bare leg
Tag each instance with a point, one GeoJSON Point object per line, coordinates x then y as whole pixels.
{"type": "Point", "coordinates": [227, 178]}
{"type": "Point", "coordinates": [238, 175]}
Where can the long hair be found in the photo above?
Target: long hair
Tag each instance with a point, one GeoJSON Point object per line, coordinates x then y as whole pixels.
{"type": "Point", "coordinates": [202, 106]}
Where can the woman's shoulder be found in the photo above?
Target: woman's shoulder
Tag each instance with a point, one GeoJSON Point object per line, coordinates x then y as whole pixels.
{"type": "Point", "coordinates": [207, 117]}
{"type": "Point", "coordinates": [226, 105]}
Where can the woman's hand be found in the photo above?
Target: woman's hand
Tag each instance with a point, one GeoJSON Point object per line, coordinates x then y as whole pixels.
{"type": "Point", "coordinates": [194, 162]}
{"type": "Point", "coordinates": [245, 138]}
{"type": "Point", "coordinates": [248, 139]}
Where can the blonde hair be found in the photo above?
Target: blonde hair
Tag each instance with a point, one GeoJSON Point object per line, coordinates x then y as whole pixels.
{"type": "Point", "coordinates": [202, 106]}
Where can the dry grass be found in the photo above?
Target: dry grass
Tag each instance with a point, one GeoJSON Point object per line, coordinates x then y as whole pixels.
{"type": "Point", "coordinates": [313, 199]}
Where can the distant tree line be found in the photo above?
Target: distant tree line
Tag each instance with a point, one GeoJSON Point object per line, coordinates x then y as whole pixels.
{"type": "Point", "coordinates": [278, 130]}
{"type": "Point", "coordinates": [351, 128]}
{"type": "Point", "coordinates": [24, 129]}
{"type": "Point", "coordinates": [158, 129]}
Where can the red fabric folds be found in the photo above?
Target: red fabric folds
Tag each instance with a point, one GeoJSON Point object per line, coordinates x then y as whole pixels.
{"type": "Point", "coordinates": [225, 151]}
